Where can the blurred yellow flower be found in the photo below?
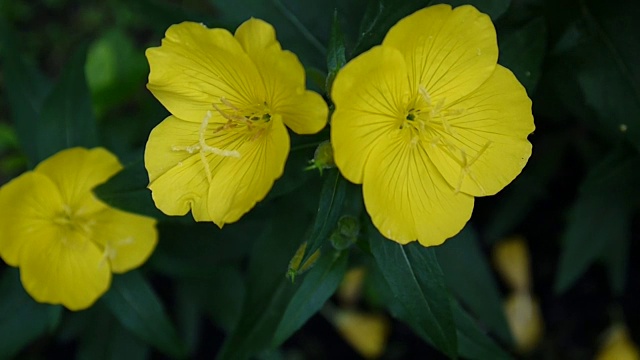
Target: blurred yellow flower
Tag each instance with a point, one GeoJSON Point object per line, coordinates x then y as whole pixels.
{"type": "Point", "coordinates": [230, 97]}
{"type": "Point", "coordinates": [618, 345]}
{"type": "Point", "coordinates": [66, 241]}
{"type": "Point", "coordinates": [427, 121]}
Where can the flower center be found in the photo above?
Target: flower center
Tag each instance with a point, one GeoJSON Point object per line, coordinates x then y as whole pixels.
{"type": "Point", "coordinates": [427, 123]}
{"type": "Point", "coordinates": [70, 221]}
{"type": "Point", "coordinates": [242, 124]}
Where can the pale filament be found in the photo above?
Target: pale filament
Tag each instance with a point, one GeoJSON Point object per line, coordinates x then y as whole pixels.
{"type": "Point", "coordinates": [440, 114]}
{"type": "Point", "coordinates": [203, 148]}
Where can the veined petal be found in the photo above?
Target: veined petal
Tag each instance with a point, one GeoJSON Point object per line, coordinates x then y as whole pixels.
{"type": "Point", "coordinates": [487, 146]}
{"type": "Point", "coordinates": [28, 204]}
{"type": "Point", "coordinates": [196, 67]}
{"type": "Point", "coordinates": [178, 180]}
{"type": "Point", "coordinates": [76, 172]}
{"type": "Point", "coordinates": [449, 52]}
{"type": "Point", "coordinates": [370, 94]}
{"type": "Point", "coordinates": [127, 239]}
{"type": "Point", "coordinates": [64, 267]}
{"type": "Point", "coordinates": [304, 111]}
{"type": "Point", "coordinates": [408, 199]}
{"type": "Point", "coordinates": [238, 183]}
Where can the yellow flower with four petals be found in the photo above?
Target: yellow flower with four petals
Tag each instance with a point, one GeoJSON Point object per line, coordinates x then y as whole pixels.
{"type": "Point", "coordinates": [427, 121]}
{"type": "Point", "coordinates": [66, 241]}
{"type": "Point", "coordinates": [230, 97]}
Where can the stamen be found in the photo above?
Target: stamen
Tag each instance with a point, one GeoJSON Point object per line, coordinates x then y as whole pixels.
{"type": "Point", "coordinates": [425, 95]}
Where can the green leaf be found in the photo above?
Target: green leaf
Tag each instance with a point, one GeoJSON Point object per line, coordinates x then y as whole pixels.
{"type": "Point", "coordinates": [67, 118]}
{"type": "Point", "coordinates": [604, 65]}
{"type": "Point", "coordinates": [138, 309]}
{"type": "Point", "coordinates": [26, 89]}
{"type": "Point", "coordinates": [332, 197]}
{"type": "Point", "coordinates": [473, 343]}
{"type": "Point", "coordinates": [22, 320]}
{"type": "Point", "coordinates": [418, 284]}
{"type": "Point", "coordinates": [127, 191]}
{"type": "Point", "coordinates": [268, 290]}
{"type": "Point", "coordinates": [336, 54]}
{"type": "Point", "coordinates": [318, 285]}
{"type": "Point", "coordinates": [513, 204]}
{"type": "Point", "coordinates": [523, 50]}
{"type": "Point", "coordinates": [105, 339]}
{"type": "Point", "coordinates": [469, 277]}
{"type": "Point", "coordinates": [599, 224]}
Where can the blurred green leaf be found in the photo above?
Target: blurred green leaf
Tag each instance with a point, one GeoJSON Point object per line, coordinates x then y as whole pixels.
{"type": "Point", "coordinates": [22, 320]}
{"type": "Point", "coordinates": [67, 118]}
{"type": "Point", "coordinates": [105, 339]}
{"type": "Point", "coordinates": [332, 197]}
{"type": "Point", "coordinates": [473, 342]}
{"type": "Point", "coordinates": [336, 55]}
{"type": "Point", "coordinates": [294, 175]}
{"type": "Point", "coordinates": [115, 69]}
{"type": "Point", "coordinates": [523, 50]}
{"type": "Point", "coordinates": [26, 90]}
{"type": "Point", "coordinates": [317, 286]}
{"type": "Point", "coordinates": [127, 191]}
{"type": "Point", "coordinates": [134, 303]}
{"type": "Point", "coordinates": [220, 294]}
{"type": "Point", "coordinates": [604, 66]}
{"type": "Point", "coordinates": [514, 203]}
{"type": "Point", "coordinates": [268, 290]}
{"type": "Point", "coordinates": [417, 283]}
{"type": "Point", "coordinates": [599, 223]}
{"type": "Point", "coordinates": [469, 277]}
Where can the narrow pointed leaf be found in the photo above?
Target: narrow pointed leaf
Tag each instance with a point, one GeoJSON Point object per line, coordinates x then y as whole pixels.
{"type": "Point", "coordinates": [469, 277]}
{"type": "Point", "coordinates": [417, 282]}
{"type": "Point", "coordinates": [138, 309]}
{"type": "Point", "coordinates": [317, 286]}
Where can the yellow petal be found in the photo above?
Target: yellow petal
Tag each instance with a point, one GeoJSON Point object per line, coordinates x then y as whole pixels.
{"type": "Point", "coordinates": [525, 320]}
{"type": "Point", "coordinates": [618, 345]}
{"type": "Point", "coordinates": [178, 181]}
{"type": "Point", "coordinates": [196, 67]}
{"type": "Point", "coordinates": [305, 112]}
{"type": "Point", "coordinates": [238, 183]}
{"type": "Point", "coordinates": [64, 267]}
{"type": "Point", "coordinates": [27, 205]}
{"type": "Point", "coordinates": [406, 196]}
{"type": "Point", "coordinates": [487, 146]}
{"type": "Point", "coordinates": [367, 333]}
{"type": "Point", "coordinates": [127, 239]}
{"type": "Point", "coordinates": [511, 259]}
{"type": "Point", "coordinates": [370, 94]}
{"type": "Point", "coordinates": [76, 172]}
{"type": "Point", "coordinates": [449, 52]}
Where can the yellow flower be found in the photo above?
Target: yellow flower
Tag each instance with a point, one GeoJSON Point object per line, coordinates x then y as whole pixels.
{"type": "Point", "coordinates": [230, 97]}
{"type": "Point", "coordinates": [427, 121]}
{"type": "Point", "coordinates": [66, 241]}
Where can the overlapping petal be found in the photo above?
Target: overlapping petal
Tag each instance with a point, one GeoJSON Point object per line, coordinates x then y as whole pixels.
{"type": "Point", "coordinates": [304, 111]}
{"type": "Point", "coordinates": [127, 239]}
{"type": "Point", "coordinates": [370, 94]}
{"type": "Point", "coordinates": [178, 180]}
{"type": "Point", "coordinates": [64, 267]}
{"type": "Point", "coordinates": [196, 67]}
{"type": "Point", "coordinates": [239, 183]}
{"type": "Point", "coordinates": [449, 52]}
{"type": "Point", "coordinates": [27, 203]}
{"type": "Point", "coordinates": [90, 169]}
{"type": "Point", "coordinates": [408, 199]}
{"type": "Point", "coordinates": [489, 136]}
